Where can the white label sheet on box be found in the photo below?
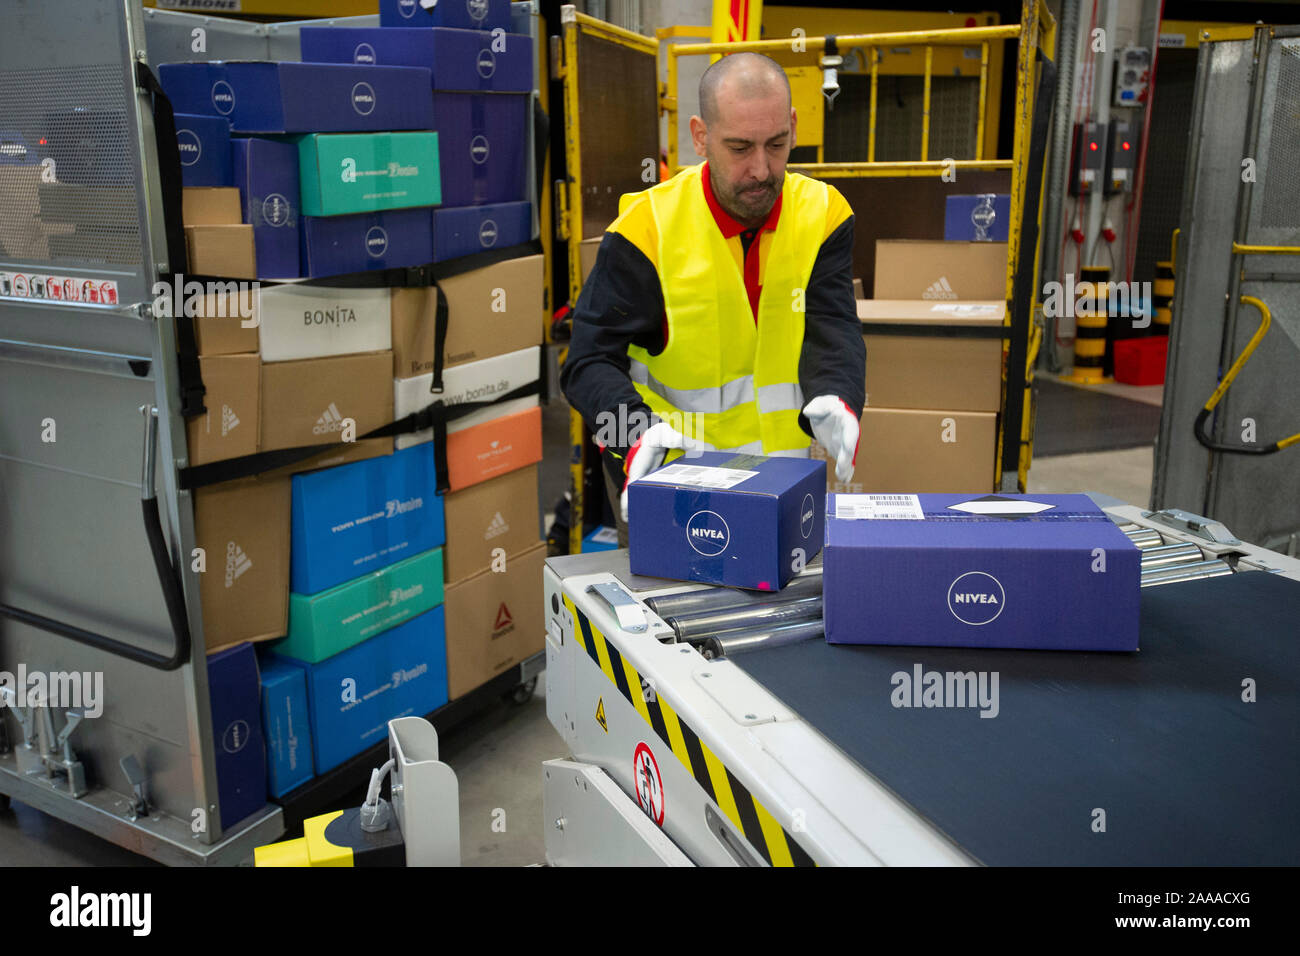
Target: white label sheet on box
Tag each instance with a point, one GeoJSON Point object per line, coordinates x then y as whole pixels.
{"type": "Point", "coordinates": [701, 476]}
{"type": "Point", "coordinates": [879, 507]}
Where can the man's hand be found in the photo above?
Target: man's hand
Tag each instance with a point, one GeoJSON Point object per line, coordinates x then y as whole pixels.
{"type": "Point", "coordinates": [836, 429]}
{"type": "Point", "coordinates": [649, 451]}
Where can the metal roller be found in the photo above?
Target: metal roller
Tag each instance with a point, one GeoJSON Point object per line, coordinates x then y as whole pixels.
{"type": "Point", "coordinates": [1170, 554]}
{"type": "Point", "coordinates": [1146, 538]}
{"type": "Point", "coordinates": [749, 618]}
{"type": "Point", "coordinates": [731, 645]}
{"type": "Point", "coordinates": [1185, 572]}
{"type": "Point", "coordinates": [807, 584]}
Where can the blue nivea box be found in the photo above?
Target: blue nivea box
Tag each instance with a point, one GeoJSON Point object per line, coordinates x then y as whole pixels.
{"type": "Point", "coordinates": [266, 172]}
{"type": "Point", "coordinates": [233, 690]}
{"type": "Point", "coordinates": [286, 724]}
{"type": "Point", "coordinates": [744, 521]}
{"type": "Point", "coordinates": [204, 146]}
{"type": "Point", "coordinates": [334, 245]}
{"type": "Point", "coordinates": [281, 97]}
{"type": "Point", "coordinates": [985, 217]}
{"type": "Point", "coordinates": [464, 230]}
{"type": "Point", "coordinates": [354, 694]}
{"type": "Point", "coordinates": [363, 516]}
{"type": "Point", "coordinates": [467, 14]}
{"type": "Point", "coordinates": [1002, 570]}
{"type": "Point", "coordinates": [482, 147]}
{"type": "Point", "coordinates": [464, 60]}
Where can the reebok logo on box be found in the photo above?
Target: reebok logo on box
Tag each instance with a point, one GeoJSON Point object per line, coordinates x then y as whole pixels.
{"type": "Point", "coordinates": [939, 290]}
{"type": "Point", "coordinates": [329, 421]}
{"type": "Point", "coordinates": [504, 623]}
{"type": "Point", "coordinates": [497, 527]}
{"type": "Point", "coordinates": [229, 420]}
{"type": "Point", "coordinates": [236, 563]}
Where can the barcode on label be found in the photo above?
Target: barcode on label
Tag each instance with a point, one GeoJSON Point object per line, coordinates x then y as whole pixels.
{"type": "Point", "coordinates": [878, 507]}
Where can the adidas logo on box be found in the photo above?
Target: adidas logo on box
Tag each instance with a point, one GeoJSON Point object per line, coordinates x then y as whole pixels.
{"type": "Point", "coordinates": [939, 290]}
{"type": "Point", "coordinates": [229, 420]}
{"type": "Point", "coordinates": [329, 421]}
{"type": "Point", "coordinates": [496, 527]}
{"type": "Point", "coordinates": [237, 563]}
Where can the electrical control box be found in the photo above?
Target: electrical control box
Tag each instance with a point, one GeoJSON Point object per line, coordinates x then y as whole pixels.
{"type": "Point", "coordinates": [1132, 76]}
{"type": "Point", "coordinates": [1089, 158]}
{"type": "Point", "coordinates": [1121, 157]}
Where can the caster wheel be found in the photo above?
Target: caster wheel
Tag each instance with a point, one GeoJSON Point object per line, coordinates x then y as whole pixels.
{"type": "Point", "coordinates": [524, 692]}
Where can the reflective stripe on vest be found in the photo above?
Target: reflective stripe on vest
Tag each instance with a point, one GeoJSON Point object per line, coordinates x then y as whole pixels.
{"type": "Point", "coordinates": [720, 379]}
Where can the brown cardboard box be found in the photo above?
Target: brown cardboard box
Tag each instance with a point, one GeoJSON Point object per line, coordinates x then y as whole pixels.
{"type": "Point", "coordinates": [940, 270]}
{"type": "Point", "coordinates": [933, 371]}
{"type": "Point", "coordinates": [221, 251]}
{"type": "Point", "coordinates": [906, 451]}
{"type": "Point", "coordinates": [219, 322]}
{"type": "Point", "coordinates": [494, 620]}
{"type": "Point", "coordinates": [499, 513]}
{"type": "Point", "coordinates": [490, 311]}
{"type": "Point", "coordinates": [305, 402]}
{"type": "Point", "coordinates": [211, 206]}
{"type": "Point", "coordinates": [229, 429]}
{"type": "Point", "coordinates": [587, 255]}
{"type": "Point", "coordinates": [243, 528]}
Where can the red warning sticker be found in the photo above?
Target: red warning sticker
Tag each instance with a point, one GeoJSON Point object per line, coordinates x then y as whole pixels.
{"type": "Point", "coordinates": [649, 784]}
{"type": "Point", "coordinates": [20, 285]}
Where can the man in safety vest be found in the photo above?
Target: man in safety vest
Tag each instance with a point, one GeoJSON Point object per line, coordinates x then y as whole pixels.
{"type": "Point", "coordinates": [722, 299]}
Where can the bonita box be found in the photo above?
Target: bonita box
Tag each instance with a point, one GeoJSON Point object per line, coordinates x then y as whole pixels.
{"type": "Point", "coordinates": [1020, 571]}
{"type": "Point", "coordinates": [724, 518]}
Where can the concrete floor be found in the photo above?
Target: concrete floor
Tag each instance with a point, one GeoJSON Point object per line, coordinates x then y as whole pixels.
{"type": "Point", "coordinates": [497, 755]}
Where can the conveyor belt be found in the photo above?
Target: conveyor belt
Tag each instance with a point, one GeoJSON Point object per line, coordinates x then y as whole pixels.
{"type": "Point", "coordinates": [1186, 772]}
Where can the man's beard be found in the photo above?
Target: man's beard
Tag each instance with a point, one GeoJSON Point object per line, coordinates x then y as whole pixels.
{"type": "Point", "coordinates": [754, 202]}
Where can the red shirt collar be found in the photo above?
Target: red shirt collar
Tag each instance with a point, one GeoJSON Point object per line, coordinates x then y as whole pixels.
{"type": "Point", "coordinates": [726, 224]}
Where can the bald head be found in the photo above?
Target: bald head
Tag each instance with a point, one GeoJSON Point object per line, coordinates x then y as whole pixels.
{"type": "Point", "coordinates": [741, 76]}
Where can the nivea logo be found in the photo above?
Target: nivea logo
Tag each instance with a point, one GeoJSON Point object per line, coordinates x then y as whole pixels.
{"type": "Point", "coordinates": [406, 8]}
{"type": "Point", "coordinates": [807, 515]}
{"type": "Point", "coordinates": [376, 241]}
{"type": "Point", "coordinates": [478, 148]}
{"type": "Point", "coordinates": [235, 736]}
{"type": "Point", "coordinates": [364, 53]}
{"type": "Point", "coordinates": [976, 598]}
{"type": "Point", "coordinates": [223, 97]}
{"type": "Point", "coordinates": [478, 9]}
{"type": "Point", "coordinates": [486, 63]}
{"type": "Point", "coordinates": [487, 233]}
{"type": "Point", "coordinates": [363, 98]}
{"type": "Point", "coordinates": [708, 533]}
{"type": "Point", "coordinates": [275, 210]}
{"type": "Point", "coordinates": [190, 147]}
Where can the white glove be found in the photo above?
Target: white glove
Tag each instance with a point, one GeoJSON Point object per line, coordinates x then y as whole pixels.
{"type": "Point", "coordinates": [650, 450]}
{"type": "Point", "coordinates": [836, 430]}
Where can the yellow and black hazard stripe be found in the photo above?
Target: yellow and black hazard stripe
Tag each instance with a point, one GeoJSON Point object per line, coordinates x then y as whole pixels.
{"type": "Point", "coordinates": [741, 807]}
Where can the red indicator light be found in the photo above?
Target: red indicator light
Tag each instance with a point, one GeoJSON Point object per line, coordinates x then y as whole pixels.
{"type": "Point", "coordinates": [1093, 147]}
{"type": "Point", "coordinates": [1123, 145]}
{"type": "Point", "coordinates": [41, 142]}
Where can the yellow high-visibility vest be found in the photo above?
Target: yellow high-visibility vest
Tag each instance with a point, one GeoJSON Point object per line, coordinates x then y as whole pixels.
{"type": "Point", "coordinates": [722, 379]}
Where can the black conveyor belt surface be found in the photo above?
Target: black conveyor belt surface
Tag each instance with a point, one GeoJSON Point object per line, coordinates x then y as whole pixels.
{"type": "Point", "coordinates": [1186, 772]}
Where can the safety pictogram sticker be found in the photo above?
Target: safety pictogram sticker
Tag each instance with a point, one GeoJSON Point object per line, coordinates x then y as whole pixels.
{"type": "Point", "coordinates": [649, 784]}
{"type": "Point", "coordinates": [600, 715]}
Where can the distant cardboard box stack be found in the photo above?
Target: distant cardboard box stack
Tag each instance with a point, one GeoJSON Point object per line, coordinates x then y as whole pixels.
{"type": "Point", "coordinates": [930, 421]}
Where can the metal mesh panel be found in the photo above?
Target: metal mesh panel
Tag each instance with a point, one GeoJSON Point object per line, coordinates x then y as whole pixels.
{"type": "Point", "coordinates": [954, 103]}
{"type": "Point", "coordinates": [67, 167]}
{"type": "Point", "coordinates": [1279, 177]}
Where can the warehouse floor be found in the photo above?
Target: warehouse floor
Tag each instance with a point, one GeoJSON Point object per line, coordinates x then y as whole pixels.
{"type": "Point", "coordinates": [497, 755]}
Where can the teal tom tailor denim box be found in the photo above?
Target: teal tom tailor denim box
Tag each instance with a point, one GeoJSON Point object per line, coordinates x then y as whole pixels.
{"type": "Point", "coordinates": [743, 521]}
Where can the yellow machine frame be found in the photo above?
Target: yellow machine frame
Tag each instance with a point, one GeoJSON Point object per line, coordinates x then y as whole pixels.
{"type": "Point", "coordinates": [1036, 31]}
